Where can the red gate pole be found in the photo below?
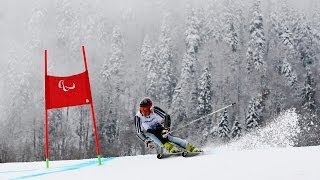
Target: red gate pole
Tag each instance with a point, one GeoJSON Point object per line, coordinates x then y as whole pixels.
{"type": "Point", "coordinates": [46, 112]}
{"type": "Point", "coordinates": [95, 131]}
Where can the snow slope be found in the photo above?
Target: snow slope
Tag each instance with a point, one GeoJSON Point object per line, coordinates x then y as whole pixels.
{"type": "Point", "coordinates": [275, 163]}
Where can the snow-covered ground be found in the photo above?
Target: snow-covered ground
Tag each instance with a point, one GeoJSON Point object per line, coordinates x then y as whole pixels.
{"type": "Point", "coordinates": [266, 154]}
{"type": "Point", "coordinates": [268, 164]}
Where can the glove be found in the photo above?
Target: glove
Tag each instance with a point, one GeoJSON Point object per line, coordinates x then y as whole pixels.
{"type": "Point", "coordinates": [165, 132]}
{"type": "Point", "coordinates": [149, 143]}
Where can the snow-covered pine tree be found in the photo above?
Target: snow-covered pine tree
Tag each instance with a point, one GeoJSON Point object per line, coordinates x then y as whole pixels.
{"type": "Point", "coordinates": [256, 64]}
{"type": "Point", "coordinates": [113, 81]}
{"type": "Point", "coordinates": [285, 67]}
{"type": "Point", "coordinates": [56, 130]}
{"type": "Point", "coordinates": [256, 45]}
{"type": "Point", "coordinates": [166, 81]}
{"type": "Point", "coordinates": [280, 30]}
{"type": "Point", "coordinates": [223, 126]}
{"type": "Point", "coordinates": [287, 39]}
{"type": "Point", "coordinates": [280, 34]}
{"type": "Point", "coordinates": [18, 98]}
{"type": "Point", "coordinates": [152, 85]}
{"type": "Point", "coordinates": [148, 63]}
{"type": "Point", "coordinates": [231, 28]}
{"type": "Point", "coordinates": [308, 92]}
{"type": "Point", "coordinates": [304, 42]}
{"type": "Point", "coordinates": [103, 31]}
{"type": "Point", "coordinates": [112, 67]}
{"type": "Point", "coordinates": [205, 93]}
{"type": "Point", "coordinates": [281, 48]}
{"type": "Point", "coordinates": [315, 23]}
{"type": "Point", "coordinates": [186, 90]}
{"type": "Point", "coordinates": [178, 108]}
{"type": "Point", "coordinates": [182, 94]}
{"type": "Point", "coordinates": [204, 106]}
{"type": "Point", "coordinates": [254, 115]}
{"type": "Point", "coordinates": [287, 71]}
{"type": "Point", "coordinates": [190, 63]}
{"type": "Point", "coordinates": [111, 70]}
{"type": "Point", "coordinates": [236, 130]}
{"type": "Point", "coordinates": [35, 27]}
{"type": "Point", "coordinates": [212, 26]}
{"type": "Point", "coordinates": [110, 128]}
{"type": "Point", "coordinates": [82, 131]}
{"type": "Point", "coordinates": [233, 39]}
{"type": "Point", "coordinates": [277, 102]}
{"type": "Point", "coordinates": [310, 124]}
{"type": "Point", "coordinates": [287, 19]}
{"type": "Point", "coordinates": [192, 32]}
{"type": "Point", "coordinates": [147, 54]}
{"type": "Point", "coordinates": [203, 30]}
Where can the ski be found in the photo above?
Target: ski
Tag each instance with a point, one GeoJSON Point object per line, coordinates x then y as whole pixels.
{"type": "Point", "coordinates": [183, 154]}
{"type": "Point", "coordinates": [166, 155]}
{"type": "Point", "coordinates": [190, 154]}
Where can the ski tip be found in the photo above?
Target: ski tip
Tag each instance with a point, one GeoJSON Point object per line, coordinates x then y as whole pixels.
{"type": "Point", "coordinates": [165, 155]}
{"type": "Point", "coordinates": [190, 154]}
{"type": "Point", "coordinates": [184, 154]}
{"type": "Point", "coordinates": [159, 156]}
{"type": "Point", "coordinates": [233, 103]}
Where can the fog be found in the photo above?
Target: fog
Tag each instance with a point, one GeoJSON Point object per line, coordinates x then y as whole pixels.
{"type": "Point", "coordinates": [15, 14]}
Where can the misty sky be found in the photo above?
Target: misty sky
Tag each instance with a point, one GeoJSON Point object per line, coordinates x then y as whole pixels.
{"type": "Point", "coordinates": [14, 14]}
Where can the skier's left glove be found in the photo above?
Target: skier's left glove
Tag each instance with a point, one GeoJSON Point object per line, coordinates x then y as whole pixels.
{"type": "Point", "coordinates": [165, 132]}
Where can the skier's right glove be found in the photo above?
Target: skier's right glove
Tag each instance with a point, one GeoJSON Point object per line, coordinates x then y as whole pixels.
{"type": "Point", "coordinates": [149, 143]}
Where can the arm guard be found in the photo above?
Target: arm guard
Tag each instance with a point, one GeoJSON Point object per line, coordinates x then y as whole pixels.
{"type": "Point", "coordinates": [139, 132]}
{"type": "Point", "coordinates": [167, 121]}
{"type": "Point", "coordinates": [164, 115]}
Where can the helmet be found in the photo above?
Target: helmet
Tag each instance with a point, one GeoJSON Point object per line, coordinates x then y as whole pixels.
{"type": "Point", "coordinates": [146, 102]}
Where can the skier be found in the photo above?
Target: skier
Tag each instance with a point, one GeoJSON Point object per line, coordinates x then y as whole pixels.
{"type": "Point", "coordinates": [153, 125]}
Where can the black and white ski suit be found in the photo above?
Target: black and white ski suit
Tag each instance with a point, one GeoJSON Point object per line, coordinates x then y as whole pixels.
{"type": "Point", "coordinates": [150, 127]}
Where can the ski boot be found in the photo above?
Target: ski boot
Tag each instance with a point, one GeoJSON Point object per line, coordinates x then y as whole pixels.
{"type": "Point", "coordinates": [191, 148]}
{"type": "Point", "coordinates": [170, 148]}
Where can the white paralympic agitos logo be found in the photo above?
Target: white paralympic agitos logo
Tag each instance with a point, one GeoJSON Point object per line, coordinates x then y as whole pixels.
{"type": "Point", "coordinates": [65, 88]}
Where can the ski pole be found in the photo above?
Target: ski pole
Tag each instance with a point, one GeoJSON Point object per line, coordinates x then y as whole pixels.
{"type": "Point", "coordinates": [214, 112]}
{"type": "Point", "coordinates": [140, 138]}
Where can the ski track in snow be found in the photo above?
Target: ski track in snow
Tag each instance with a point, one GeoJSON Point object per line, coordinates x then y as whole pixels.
{"type": "Point", "coordinates": [63, 168]}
